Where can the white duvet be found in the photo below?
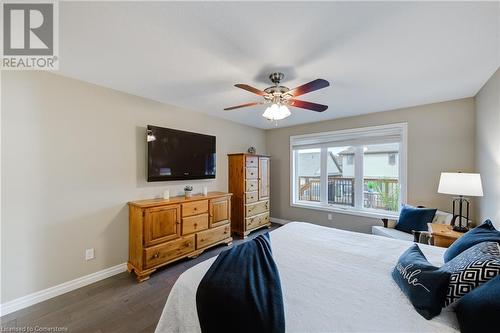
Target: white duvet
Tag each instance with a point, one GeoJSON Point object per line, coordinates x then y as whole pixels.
{"type": "Point", "coordinates": [332, 281]}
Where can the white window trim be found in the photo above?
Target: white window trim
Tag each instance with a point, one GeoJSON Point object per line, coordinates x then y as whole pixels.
{"type": "Point", "coordinates": [357, 210]}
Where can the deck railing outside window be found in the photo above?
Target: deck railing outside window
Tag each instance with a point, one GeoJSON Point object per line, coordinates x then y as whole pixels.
{"type": "Point", "coordinates": [378, 193]}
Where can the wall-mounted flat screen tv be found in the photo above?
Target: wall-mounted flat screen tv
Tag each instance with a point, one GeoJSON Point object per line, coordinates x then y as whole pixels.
{"type": "Point", "coordinates": [177, 155]}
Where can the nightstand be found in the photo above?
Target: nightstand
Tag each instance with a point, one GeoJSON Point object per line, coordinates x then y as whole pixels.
{"type": "Point", "coordinates": [443, 234]}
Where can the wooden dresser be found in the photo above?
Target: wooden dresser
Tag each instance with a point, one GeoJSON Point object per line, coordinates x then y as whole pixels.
{"type": "Point", "coordinates": [162, 231]}
{"type": "Point", "coordinates": [249, 183]}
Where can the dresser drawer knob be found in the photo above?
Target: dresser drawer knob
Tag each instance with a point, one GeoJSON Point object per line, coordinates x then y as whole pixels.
{"type": "Point", "coordinates": [156, 255]}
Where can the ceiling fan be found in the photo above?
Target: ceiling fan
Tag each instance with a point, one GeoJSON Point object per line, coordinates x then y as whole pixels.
{"type": "Point", "coordinates": [280, 97]}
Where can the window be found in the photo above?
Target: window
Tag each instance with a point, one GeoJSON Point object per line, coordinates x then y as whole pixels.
{"type": "Point", "coordinates": [380, 177]}
{"type": "Point", "coordinates": [308, 174]}
{"type": "Point", "coordinates": [349, 159]}
{"type": "Point", "coordinates": [340, 171]}
{"type": "Point", "coordinates": [392, 159]}
{"type": "Point", "coordinates": [359, 171]}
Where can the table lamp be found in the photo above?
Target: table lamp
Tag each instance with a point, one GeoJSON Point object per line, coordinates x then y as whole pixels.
{"type": "Point", "coordinates": [460, 184]}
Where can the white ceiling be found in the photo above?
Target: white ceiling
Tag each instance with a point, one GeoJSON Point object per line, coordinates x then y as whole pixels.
{"type": "Point", "coordinates": [377, 56]}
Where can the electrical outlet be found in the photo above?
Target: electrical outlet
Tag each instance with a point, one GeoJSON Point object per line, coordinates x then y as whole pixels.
{"type": "Point", "coordinates": [330, 217]}
{"type": "Point", "coordinates": [89, 254]}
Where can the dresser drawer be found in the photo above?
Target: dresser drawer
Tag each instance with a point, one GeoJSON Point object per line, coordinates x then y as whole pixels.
{"type": "Point", "coordinates": [252, 161]}
{"type": "Point", "coordinates": [257, 220]}
{"type": "Point", "coordinates": [251, 197]}
{"type": "Point", "coordinates": [158, 254]}
{"type": "Point", "coordinates": [256, 208]}
{"type": "Point", "coordinates": [194, 208]}
{"type": "Point", "coordinates": [194, 223]}
{"type": "Point", "coordinates": [211, 236]}
{"type": "Point", "coordinates": [252, 173]}
{"type": "Point", "coordinates": [251, 185]}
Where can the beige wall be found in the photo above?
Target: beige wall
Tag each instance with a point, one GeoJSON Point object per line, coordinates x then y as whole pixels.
{"type": "Point", "coordinates": [488, 148]}
{"type": "Point", "coordinates": [440, 138]}
{"type": "Point", "coordinates": [73, 154]}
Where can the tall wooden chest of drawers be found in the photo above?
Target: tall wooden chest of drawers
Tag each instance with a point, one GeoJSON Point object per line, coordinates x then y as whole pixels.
{"type": "Point", "coordinates": [163, 231]}
{"type": "Point", "coordinates": [249, 182]}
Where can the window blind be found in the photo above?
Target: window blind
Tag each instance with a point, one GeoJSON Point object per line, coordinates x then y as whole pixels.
{"type": "Point", "coordinates": [351, 137]}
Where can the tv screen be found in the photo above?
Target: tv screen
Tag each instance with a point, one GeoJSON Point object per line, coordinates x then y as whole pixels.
{"type": "Point", "coordinates": [176, 155]}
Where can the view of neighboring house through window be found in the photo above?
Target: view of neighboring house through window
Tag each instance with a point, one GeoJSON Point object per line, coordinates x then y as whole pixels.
{"type": "Point", "coordinates": [392, 158]}
{"type": "Point", "coordinates": [349, 159]}
{"type": "Point", "coordinates": [381, 177]}
{"type": "Point", "coordinates": [309, 164]}
{"type": "Point", "coordinates": [365, 175]}
{"type": "Point", "coordinates": [340, 169]}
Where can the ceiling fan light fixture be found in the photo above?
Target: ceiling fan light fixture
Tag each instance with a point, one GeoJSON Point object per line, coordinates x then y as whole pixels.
{"type": "Point", "coordinates": [276, 112]}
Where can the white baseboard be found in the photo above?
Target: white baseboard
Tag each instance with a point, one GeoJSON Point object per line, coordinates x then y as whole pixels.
{"type": "Point", "coordinates": [279, 221]}
{"type": "Point", "coordinates": [42, 295]}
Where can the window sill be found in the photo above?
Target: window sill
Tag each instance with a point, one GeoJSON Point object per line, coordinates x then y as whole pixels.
{"type": "Point", "coordinates": [348, 211]}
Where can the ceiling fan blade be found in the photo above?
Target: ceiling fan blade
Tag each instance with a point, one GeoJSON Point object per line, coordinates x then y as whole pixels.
{"type": "Point", "coordinates": [250, 89]}
{"type": "Point", "coordinates": [308, 105]}
{"type": "Point", "coordinates": [241, 106]}
{"type": "Point", "coordinates": [308, 87]}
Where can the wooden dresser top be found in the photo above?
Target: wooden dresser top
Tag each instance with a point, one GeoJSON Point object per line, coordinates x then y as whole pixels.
{"type": "Point", "coordinates": [248, 154]}
{"type": "Point", "coordinates": [176, 200]}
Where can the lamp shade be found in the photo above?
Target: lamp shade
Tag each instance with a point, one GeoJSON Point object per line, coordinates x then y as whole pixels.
{"type": "Point", "coordinates": [458, 183]}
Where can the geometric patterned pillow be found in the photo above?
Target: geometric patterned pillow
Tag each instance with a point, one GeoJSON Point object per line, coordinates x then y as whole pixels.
{"type": "Point", "coordinates": [472, 268]}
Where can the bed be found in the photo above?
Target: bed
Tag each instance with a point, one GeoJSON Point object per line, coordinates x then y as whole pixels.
{"type": "Point", "coordinates": [332, 281]}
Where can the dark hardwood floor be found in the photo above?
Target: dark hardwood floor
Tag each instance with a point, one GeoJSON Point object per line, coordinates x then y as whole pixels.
{"type": "Point", "coordinates": [116, 304]}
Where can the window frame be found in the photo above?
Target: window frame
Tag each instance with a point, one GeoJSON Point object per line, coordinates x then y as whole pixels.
{"type": "Point", "coordinates": [358, 209]}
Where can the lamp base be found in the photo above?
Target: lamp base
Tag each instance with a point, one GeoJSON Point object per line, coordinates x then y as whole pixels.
{"type": "Point", "coordinates": [460, 228]}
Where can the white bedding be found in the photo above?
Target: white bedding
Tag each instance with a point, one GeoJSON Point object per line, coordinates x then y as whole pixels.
{"type": "Point", "coordinates": [332, 281]}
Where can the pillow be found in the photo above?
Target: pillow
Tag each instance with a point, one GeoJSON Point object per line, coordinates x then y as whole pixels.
{"type": "Point", "coordinates": [472, 268]}
{"type": "Point", "coordinates": [424, 285]}
{"type": "Point", "coordinates": [478, 310]}
{"type": "Point", "coordinates": [442, 217]}
{"type": "Point", "coordinates": [411, 218]}
{"type": "Point", "coordinates": [485, 232]}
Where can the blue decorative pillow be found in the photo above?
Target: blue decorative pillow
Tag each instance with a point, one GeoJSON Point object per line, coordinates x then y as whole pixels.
{"type": "Point", "coordinates": [412, 218]}
{"type": "Point", "coordinates": [485, 232]}
{"type": "Point", "coordinates": [478, 310]}
{"type": "Point", "coordinates": [471, 268]}
{"type": "Point", "coordinates": [424, 285]}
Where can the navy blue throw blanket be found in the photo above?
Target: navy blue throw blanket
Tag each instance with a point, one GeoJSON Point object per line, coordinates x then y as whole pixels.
{"type": "Point", "coordinates": [241, 291]}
